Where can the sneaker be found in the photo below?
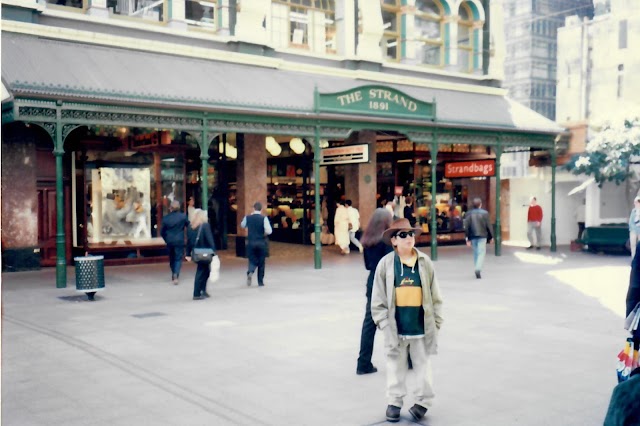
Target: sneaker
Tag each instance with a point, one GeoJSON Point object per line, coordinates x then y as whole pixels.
{"type": "Point", "coordinates": [393, 413]}
{"type": "Point", "coordinates": [478, 276]}
{"type": "Point", "coordinates": [205, 295]}
{"type": "Point", "coordinates": [538, 248]}
{"type": "Point", "coordinates": [249, 276]}
{"type": "Point", "coordinates": [529, 248]}
{"type": "Point", "coordinates": [418, 411]}
{"type": "Point", "coordinates": [361, 371]}
{"type": "Point", "coordinates": [198, 297]}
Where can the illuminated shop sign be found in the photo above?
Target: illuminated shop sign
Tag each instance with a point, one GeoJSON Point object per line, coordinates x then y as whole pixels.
{"type": "Point", "coordinates": [376, 100]}
{"type": "Point", "coordinates": [470, 169]}
{"type": "Point", "coordinates": [345, 155]}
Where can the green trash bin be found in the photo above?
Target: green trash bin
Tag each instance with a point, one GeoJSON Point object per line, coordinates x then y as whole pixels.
{"type": "Point", "coordinates": [89, 275]}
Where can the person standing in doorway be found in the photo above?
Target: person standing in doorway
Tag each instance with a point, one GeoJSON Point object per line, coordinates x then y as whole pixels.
{"type": "Point", "coordinates": [374, 250]}
{"type": "Point", "coordinates": [408, 211]}
{"type": "Point", "coordinates": [534, 223]}
{"type": "Point", "coordinates": [354, 224]}
{"type": "Point", "coordinates": [580, 218]}
{"type": "Point", "coordinates": [407, 306]}
{"type": "Point", "coordinates": [634, 226]}
{"type": "Point", "coordinates": [478, 233]}
{"type": "Point", "coordinates": [172, 232]}
{"type": "Point", "coordinates": [341, 227]}
{"type": "Point", "coordinates": [258, 228]}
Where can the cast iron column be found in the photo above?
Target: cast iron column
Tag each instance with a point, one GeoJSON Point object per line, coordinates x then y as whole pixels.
{"type": "Point", "coordinates": [432, 209]}
{"type": "Point", "coordinates": [553, 198]}
{"type": "Point", "coordinates": [317, 251]}
{"type": "Point", "coordinates": [204, 159]}
{"type": "Point", "coordinates": [58, 152]}
{"type": "Point", "coordinates": [498, 230]}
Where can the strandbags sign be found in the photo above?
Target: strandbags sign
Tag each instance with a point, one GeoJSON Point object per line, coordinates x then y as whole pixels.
{"type": "Point", "coordinates": [375, 100]}
{"type": "Point", "coordinates": [470, 169]}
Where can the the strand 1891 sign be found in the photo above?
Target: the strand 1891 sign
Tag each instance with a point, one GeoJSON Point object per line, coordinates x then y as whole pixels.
{"type": "Point", "coordinates": [376, 100]}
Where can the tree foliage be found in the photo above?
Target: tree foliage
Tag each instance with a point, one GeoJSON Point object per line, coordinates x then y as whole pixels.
{"type": "Point", "coordinates": [609, 155]}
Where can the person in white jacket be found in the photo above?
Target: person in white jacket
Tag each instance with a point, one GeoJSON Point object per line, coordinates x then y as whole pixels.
{"type": "Point", "coordinates": [341, 227]}
{"type": "Point", "coordinates": [354, 224]}
{"type": "Point", "coordinates": [407, 306]}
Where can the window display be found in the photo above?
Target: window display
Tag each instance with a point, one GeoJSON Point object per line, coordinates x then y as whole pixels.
{"type": "Point", "coordinates": [121, 207]}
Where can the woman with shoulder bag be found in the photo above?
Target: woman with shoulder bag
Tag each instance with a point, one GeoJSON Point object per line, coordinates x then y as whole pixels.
{"type": "Point", "coordinates": [374, 250]}
{"type": "Point", "coordinates": [200, 237]}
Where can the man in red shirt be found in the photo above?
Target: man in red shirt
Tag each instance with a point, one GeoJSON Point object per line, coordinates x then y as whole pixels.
{"type": "Point", "coordinates": [534, 220]}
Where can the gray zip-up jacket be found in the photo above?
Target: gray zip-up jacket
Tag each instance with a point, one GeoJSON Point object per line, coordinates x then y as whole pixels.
{"type": "Point", "coordinates": [383, 300]}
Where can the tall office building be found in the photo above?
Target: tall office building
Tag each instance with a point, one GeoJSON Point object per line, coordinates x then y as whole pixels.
{"type": "Point", "coordinates": [531, 28]}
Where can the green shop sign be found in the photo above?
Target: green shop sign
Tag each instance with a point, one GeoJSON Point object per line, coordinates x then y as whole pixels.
{"type": "Point", "coordinates": [375, 100]}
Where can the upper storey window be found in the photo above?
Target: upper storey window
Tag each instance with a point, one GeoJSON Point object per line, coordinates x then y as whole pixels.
{"type": "Point", "coordinates": [391, 19]}
{"type": "Point", "coordinates": [428, 32]}
{"type": "Point", "coordinates": [79, 4]}
{"type": "Point", "coordinates": [304, 24]}
{"type": "Point", "coordinates": [469, 54]}
{"type": "Point", "coordinates": [201, 13]}
{"type": "Point", "coordinates": [148, 10]}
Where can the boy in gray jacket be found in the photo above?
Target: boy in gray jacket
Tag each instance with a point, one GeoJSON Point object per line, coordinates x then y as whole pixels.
{"type": "Point", "coordinates": [407, 306]}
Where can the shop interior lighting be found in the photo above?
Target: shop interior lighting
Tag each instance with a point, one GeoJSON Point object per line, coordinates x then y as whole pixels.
{"type": "Point", "coordinates": [296, 145]}
{"type": "Point", "coordinates": [324, 143]}
{"type": "Point", "coordinates": [272, 146]}
{"type": "Point", "coordinates": [230, 151]}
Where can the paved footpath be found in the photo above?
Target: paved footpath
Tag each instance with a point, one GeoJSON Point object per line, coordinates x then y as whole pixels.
{"type": "Point", "coordinates": [531, 343]}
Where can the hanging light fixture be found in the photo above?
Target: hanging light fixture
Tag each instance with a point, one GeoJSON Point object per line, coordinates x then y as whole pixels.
{"type": "Point", "coordinates": [324, 143]}
{"type": "Point", "coordinates": [273, 147]}
{"type": "Point", "coordinates": [297, 145]}
{"type": "Point", "coordinates": [229, 150]}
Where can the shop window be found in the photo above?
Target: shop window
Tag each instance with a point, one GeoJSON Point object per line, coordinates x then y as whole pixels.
{"type": "Point", "coordinates": [404, 146]}
{"type": "Point", "coordinates": [201, 13]}
{"type": "Point", "coordinates": [384, 146]}
{"type": "Point", "coordinates": [428, 26]}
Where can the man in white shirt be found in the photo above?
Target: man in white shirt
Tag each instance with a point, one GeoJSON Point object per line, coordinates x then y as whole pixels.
{"type": "Point", "coordinates": [354, 224]}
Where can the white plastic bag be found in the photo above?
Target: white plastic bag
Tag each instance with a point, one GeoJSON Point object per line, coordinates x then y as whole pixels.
{"type": "Point", "coordinates": [214, 276]}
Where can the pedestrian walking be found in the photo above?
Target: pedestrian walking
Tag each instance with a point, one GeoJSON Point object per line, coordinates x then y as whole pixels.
{"type": "Point", "coordinates": [374, 250]}
{"type": "Point", "coordinates": [354, 224]}
{"type": "Point", "coordinates": [200, 236]}
{"type": "Point", "coordinates": [341, 227]}
{"type": "Point", "coordinates": [258, 227]}
{"type": "Point", "coordinates": [407, 306]}
{"type": "Point", "coordinates": [534, 223]}
{"type": "Point", "coordinates": [634, 226]}
{"type": "Point", "coordinates": [172, 232]}
{"type": "Point", "coordinates": [478, 233]}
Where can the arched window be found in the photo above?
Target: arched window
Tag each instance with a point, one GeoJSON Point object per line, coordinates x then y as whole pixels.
{"type": "Point", "coordinates": [465, 38]}
{"type": "Point", "coordinates": [428, 31]}
{"type": "Point", "coordinates": [391, 19]}
{"type": "Point", "coordinates": [304, 24]}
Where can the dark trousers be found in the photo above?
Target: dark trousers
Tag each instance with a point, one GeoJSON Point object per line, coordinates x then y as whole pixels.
{"type": "Point", "coordinates": [256, 252]}
{"type": "Point", "coordinates": [366, 338]}
{"type": "Point", "coordinates": [580, 229]}
{"type": "Point", "coordinates": [176, 253]}
{"type": "Point", "coordinates": [200, 283]}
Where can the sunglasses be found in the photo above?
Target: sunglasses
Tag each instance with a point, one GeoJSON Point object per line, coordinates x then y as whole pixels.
{"type": "Point", "coordinates": [405, 234]}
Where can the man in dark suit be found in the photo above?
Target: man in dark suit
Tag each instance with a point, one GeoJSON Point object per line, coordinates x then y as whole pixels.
{"type": "Point", "coordinates": [173, 226]}
{"type": "Point", "coordinates": [258, 228]}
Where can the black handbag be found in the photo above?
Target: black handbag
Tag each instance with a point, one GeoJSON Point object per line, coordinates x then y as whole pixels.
{"type": "Point", "coordinates": [201, 256]}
